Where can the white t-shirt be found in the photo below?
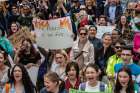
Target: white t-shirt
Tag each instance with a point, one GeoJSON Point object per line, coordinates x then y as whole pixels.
{"type": "Point", "coordinates": [96, 88]}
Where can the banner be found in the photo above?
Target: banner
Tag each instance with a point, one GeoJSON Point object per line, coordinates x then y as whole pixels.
{"type": "Point", "coordinates": [54, 33]}
{"type": "Point", "coordinates": [19, 36]}
{"type": "Point", "coordinates": [102, 29]}
{"type": "Point", "coordinates": [79, 91]}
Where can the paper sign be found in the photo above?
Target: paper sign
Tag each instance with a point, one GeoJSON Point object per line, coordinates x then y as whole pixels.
{"type": "Point", "coordinates": [54, 34]}
{"type": "Point", "coordinates": [102, 29]}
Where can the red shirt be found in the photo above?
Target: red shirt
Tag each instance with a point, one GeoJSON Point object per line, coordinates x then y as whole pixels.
{"type": "Point", "coordinates": [69, 85]}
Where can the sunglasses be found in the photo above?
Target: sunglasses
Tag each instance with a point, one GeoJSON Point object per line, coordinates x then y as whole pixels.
{"type": "Point", "coordinates": [83, 34]}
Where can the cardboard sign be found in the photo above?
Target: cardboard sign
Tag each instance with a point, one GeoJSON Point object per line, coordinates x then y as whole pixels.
{"type": "Point", "coordinates": [54, 34]}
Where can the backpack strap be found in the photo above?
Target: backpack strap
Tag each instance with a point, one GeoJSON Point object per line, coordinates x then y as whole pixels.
{"type": "Point", "coordinates": [83, 86]}
{"type": "Point", "coordinates": [102, 87]}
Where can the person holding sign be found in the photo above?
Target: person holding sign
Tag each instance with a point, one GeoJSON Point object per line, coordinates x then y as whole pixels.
{"type": "Point", "coordinates": [28, 54]}
{"type": "Point", "coordinates": [92, 84]}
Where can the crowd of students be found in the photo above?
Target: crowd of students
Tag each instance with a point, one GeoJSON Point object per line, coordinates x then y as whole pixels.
{"type": "Point", "coordinates": [110, 64]}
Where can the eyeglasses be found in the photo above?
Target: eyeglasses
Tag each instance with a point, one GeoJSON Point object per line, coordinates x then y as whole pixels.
{"type": "Point", "coordinates": [125, 54]}
{"type": "Point", "coordinates": [83, 34]}
{"type": "Point", "coordinates": [118, 47]}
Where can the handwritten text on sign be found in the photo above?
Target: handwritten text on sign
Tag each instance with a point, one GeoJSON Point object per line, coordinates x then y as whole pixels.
{"type": "Point", "coordinates": [54, 34]}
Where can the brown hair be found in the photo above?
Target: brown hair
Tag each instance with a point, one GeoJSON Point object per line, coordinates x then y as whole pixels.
{"type": "Point", "coordinates": [52, 76]}
{"type": "Point", "coordinates": [62, 52]}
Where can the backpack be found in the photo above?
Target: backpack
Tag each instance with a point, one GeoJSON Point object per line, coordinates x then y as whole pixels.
{"type": "Point", "coordinates": [102, 87]}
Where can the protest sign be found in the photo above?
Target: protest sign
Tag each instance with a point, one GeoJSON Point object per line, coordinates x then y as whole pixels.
{"type": "Point", "coordinates": [102, 29]}
{"type": "Point", "coordinates": [19, 36]}
{"type": "Point", "coordinates": [54, 33]}
{"type": "Point", "coordinates": [79, 91]}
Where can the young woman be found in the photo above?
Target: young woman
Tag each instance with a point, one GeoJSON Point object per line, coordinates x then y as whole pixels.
{"type": "Point", "coordinates": [53, 84]}
{"type": "Point", "coordinates": [123, 26]}
{"type": "Point", "coordinates": [124, 82]}
{"type": "Point", "coordinates": [61, 58]}
{"type": "Point", "coordinates": [104, 53]}
{"type": "Point", "coordinates": [72, 72]}
{"type": "Point", "coordinates": [14, 28]}
{"type": "Point", "coordinates": [19, 81]}
{"type": "Point", "coordinates": [28, 54]}
{"type": "Point", "coordinates": [92, 84]}
{"type": "Point", "coordinates": [82, 50]}
{"type": "Point", "coordinates": [3, 68]}
{"type": "Point", "coordinates": [91, 9]}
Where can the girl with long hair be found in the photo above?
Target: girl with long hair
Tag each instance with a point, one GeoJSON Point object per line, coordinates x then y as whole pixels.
{"type": "Point", "coordinates": [72, 72]}
{"type": "Point", "coordinates": [124, 82]}
{"type": "Point", "coordinates": [19, 81]}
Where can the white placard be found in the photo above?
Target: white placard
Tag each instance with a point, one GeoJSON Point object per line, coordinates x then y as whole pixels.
{"type": "Point", "coordinates": [54, 34]}
{"type": "Point", "coordinates": [102, 29]}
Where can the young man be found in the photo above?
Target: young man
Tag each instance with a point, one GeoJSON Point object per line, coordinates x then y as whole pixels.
{"type": "Point", "coordinates": [126, 56]}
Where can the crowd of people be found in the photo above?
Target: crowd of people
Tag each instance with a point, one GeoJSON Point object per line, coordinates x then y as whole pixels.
{"type": "Point", "coordinates": [110, 64]}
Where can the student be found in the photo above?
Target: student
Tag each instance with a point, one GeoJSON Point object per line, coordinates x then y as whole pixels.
{"type": "Point", "coordinates": [53, 84]}
{"type": "Point", "coordinates": [104, 53]}
{"type": "Point", "coordinates": [72, 72]}
{"type": "Point", "coordinates": [126, 56]}
{"type": "Point", "coordinates": [82, 50]}
{"type": "Point", "coordinates": [28, 54]}
{"type": "Point", "coordinates": [124, 83]}
{"type": "Point", "coordinates": [61, 58]}
{"type": "Point", "coordinates": [19, 82]}
{"type": "Point", "coordinates": [114, 59]}
{"type": "Point", "coordinates": [92, 84]}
